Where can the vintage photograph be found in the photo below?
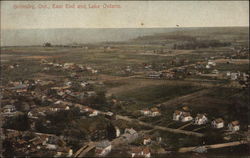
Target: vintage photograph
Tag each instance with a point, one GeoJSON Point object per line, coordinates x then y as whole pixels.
{"type": "Point", "coordinates": [160, 79]}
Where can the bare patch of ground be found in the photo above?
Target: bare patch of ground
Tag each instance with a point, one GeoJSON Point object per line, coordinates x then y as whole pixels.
{"type": "Point", "coordinates": [40, 57]}
{"type": "Point", "coordinates": [234, 61]}
{"type": "Point", "coordinates": [44, 76]}
{"type": "Point", "coordinates": [175, 53]}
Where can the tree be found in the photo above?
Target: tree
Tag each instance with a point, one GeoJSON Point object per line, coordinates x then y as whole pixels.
{"type": "Point", "coordinates": [47, 44]}
{"type": "Point", "coordinates": [19, 122]}
{"type": "Point", "coordinates": [111, 132]}
{"type": "Point", "coordinates": [8, 148]}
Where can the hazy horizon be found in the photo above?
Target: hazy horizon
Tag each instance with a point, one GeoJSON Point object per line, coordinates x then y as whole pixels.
{"type": "Point", "coordinates": [64, 36]}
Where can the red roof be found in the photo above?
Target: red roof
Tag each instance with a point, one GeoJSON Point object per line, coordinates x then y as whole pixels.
{"type": "Point", "coordinates": [235, 123]}
{"type": "Point", "coordinates": [219, 120]}
{"type": "Point", "coordinates": [177, 112]}
{"type": "Point", "coordinates": [146, 151]}
{"type": "Point", "coordinates": [138, 150]}
{"type": "Point", "coordinates": [98, 151]}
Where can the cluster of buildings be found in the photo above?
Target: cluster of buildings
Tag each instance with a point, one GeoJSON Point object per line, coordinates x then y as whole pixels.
{"type": "Point", "coordinates": [153, 112]}
{"type": "Point", "coordinates": [70, 66]}
{"type": "Point", "coordinates": [210, 64]}
{"type": "Point", "coordinates": [37, 144]}
{"type": "Point", "coordinates": [9, 110]}
{"type": "Point", "coordinates": [140, 152]}
{"type": "Point", "coordinates": [237, 76]}
{"type": "Point", "coordinates": [103, 148]}
{"type": "Point", "coordinates": [201, 119]}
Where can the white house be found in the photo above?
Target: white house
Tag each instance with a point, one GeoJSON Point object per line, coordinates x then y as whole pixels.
{"type": "Point", "coordinates": [58, 107]}
{"type": "Point", "coordinates": [51, 147]}
{"type": "Point", "coordinates": [146, 112]}
{"type": "Point", "coordinates": [85, 109]}
{"type": "Point", "coordinates": [117, 131]}
{"type": "Point", "coordinates": [234, 76]}
{"type": "Point", "coordinates": [234, 126]}
{"type": "Point", "coordinates": [9, 109]}
{"type": "Point", "coordinates": [93, 113]}
{"type": "Point", "coordinates": [155, 112]}
{"type": "Point", "coordinates": [130, 134]}
{"type": "Point", "coordinates": [228, 74]}
{"type": "Point", "coordinates": [177, 114]}
{"type": "Point", "coordinates": [146, 140]}
{"type": "Point", "coordinates": [67, 108]}
{"type": "Point", "coordinates": [200, 119]}
{"type": "Point", "coordinates": [186, 116]}
{"type": "Point", "coordinates": [215, 71]}
{"type": "Point", "coordinates": [218, 123]}
{"type": "Point", "coordinates": [30, 115]}
{"type": "Point", "coordinates": [140, 152]}
{"type": "Point", "coordinates": [245, 76]}
{"type": "Point", "coordinates": [211, 63]}
{"type": "Point", "coordinates": [103, 148]}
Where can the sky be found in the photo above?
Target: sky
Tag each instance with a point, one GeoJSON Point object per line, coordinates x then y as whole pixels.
{"type": "Point", "coordinates": [125, 14]}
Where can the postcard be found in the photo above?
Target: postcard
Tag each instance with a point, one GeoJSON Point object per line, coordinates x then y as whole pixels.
{"type": "Point", "coordinates": [125, 79]}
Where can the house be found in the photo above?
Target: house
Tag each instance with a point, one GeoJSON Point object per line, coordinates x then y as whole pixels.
{"type": "Point", "coordinates": [110, 115]}
{"type": "Point", "coordinates": [218, 123]}
{"type": "Point", "coordinates": [215, 71]}
{"type": "Point", "coordinates": [155, 112]}
{"type": "Point", "coordinates": [94, 71]}
{"type": "Point", "coordinates": [146, 140]}
{"type": "Point", "coordinates": [128, 69]}
{"type": "Point", "coordinates": [130, 134]}
{"type": "Point", "coordinates": [186, 116]}
{"type": "Point", "coordinates": [64, 151]}
{"type": "Point", "coordinates": [103, 148]}
{"type": "Point", "coordinates": [200, 119]}
{"type": "Point", "coordinates": [234, 76]}
{"type": "Point", "coordinates": [177, 115]}
{"type": "Point", "coordinates": [234, 126]}
{"type": "Point", "coordinates": [130, 131]}
{"type": "Point", "coordinates": [228, 74]}
{"type": "Point", "coordinates": [212, 63]}
{"type": "Point", "coordinates": [31, 115]}
{"type": "Point", "coordinates": [140, 152]}
{"type": "Point", "coordinates": [186, 108]}
{"type": "Point", "coordinates": [93, 113]}
{"type": "Point", "coordinates": [208, 66]}
{"type": "Point", "coordinates": [58, 107]}
{"type": "Point", "coordinates": [84, 109]}
{"type": "Point", "coordinates": [155, 75]}
{"type": "Point", "coordinates": [51, 146]}
{"type": "Point", "coordinates": [146, 112]}
{"type": "Point", "coordinates": [9, 109]}
{"type": "Point", "coordinates": [91, 93]}
{"type": "Point", "coordinates": [68, 83]}
{"type": "Point", "coordinates": [168, 74]}
{"type": "Point", "coordinates": [68, 65]}
{"type": "Point", "coordinates": [117, 131]}
{"type": "Point", "coordinates": [245, 76]}
{"type": "Point", "coordinates": [84, 84]}
{"type": "Point", "coordinates": [147, 66]}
